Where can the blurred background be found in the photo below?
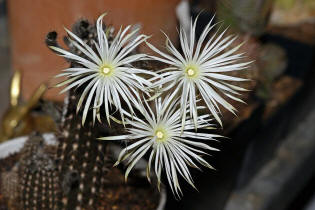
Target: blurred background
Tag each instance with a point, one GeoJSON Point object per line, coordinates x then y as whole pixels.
{"type": "Point", "coordinates": [269, 161]}
{"type": "Point", "coordinates": [4, 58]}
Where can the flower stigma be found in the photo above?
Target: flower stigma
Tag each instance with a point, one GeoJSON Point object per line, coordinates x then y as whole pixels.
{"type": "Point", "coordinates": [191, 71]}
{"type": "Point", "coordinates": [106, 70]}
{"type": "Point", "coordinates": [160, 135]}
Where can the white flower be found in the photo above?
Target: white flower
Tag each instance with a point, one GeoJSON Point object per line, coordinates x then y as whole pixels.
{"type": "Point", "coordinates": [197, 71]}
{"type": "Point", "coordinates": [170, 149]}
{"type": "Point", "coordinates": [107, 72]}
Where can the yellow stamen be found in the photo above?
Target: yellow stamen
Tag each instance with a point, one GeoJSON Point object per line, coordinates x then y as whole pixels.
{"type": "Point", "coordinates": [159, 134]}
{"type": "Point", "coordinates": [105, 70]}
{"type": "Point", "coordinates": [191, 72]}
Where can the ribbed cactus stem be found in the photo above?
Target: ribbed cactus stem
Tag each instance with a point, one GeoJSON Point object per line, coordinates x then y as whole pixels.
{"type": "Point", "coordinates": [81, 161]}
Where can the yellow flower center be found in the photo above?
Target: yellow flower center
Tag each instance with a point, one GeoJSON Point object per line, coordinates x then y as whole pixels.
{"type": "Point", "coordinates": [191, 71]}
{"type": "Point", "coordinates": [160, 135]}
{"type": "Point", "coordinates": [106, 70]}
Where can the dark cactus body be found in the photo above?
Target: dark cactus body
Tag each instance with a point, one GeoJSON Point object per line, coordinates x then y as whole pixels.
{"type": "Point", "coordinates": [81, 161]}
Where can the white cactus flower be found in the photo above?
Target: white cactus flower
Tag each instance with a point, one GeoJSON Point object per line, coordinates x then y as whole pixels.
{"type": "Point", "coordinates": [171, 150]}
{"type": "Point", "coordinates": [198, 71]}
{"type": "Point", "coordinates": [106, 72]}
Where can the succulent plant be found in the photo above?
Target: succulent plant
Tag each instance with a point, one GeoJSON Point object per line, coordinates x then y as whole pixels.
{"type": "Point", "coordinates": [38, 175]}
{"type": "Point", "coordinates": [10, 188]}
{"type": "Point", "coordinates": [33, 182]}
{"type": "Point", "coordinates": [82, 161]}
{"type": "Point", "coordinates": [103, 79]}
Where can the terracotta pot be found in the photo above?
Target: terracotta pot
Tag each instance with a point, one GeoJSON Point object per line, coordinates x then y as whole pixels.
{"type": "Point", "coordinates": [31, 20]}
